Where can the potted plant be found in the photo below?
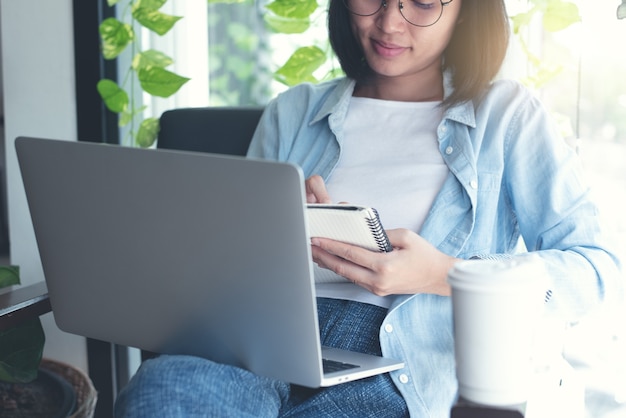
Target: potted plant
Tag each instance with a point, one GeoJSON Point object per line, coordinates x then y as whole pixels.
{"type": "Point", "coordinates": [30, 385]}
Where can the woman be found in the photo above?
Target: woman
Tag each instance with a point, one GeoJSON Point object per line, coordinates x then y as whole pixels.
{"type": "Point", "coordinates": [458, 166]}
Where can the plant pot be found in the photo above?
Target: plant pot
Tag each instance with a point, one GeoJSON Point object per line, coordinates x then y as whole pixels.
{"type": "Point", "coordinates": [86, 395]}
{"type": "Point", "coordinates": [60, 391]}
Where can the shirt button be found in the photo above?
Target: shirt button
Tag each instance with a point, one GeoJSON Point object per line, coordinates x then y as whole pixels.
{"type": "Point", "coordinates": [474, 184]}
{"type": "Point", "coordinates": [404, 378]}
{"type": "Point", "coordinates": [389, 328]}
{"type": "Point", "coordinates": [449, 150]}
{"type": "Point", "coordinates": [444, 129]}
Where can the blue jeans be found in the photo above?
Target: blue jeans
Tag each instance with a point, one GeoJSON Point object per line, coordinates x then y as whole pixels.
{"type": "Point", "coordinates": [184, 386]}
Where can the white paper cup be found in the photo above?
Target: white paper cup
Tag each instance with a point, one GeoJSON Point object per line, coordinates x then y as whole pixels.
{"type": "Point", "coordinates": [496, 309]}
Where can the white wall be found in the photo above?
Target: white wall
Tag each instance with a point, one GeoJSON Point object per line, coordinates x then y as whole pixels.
{"type": "Point", "coordinates": [39, 100]}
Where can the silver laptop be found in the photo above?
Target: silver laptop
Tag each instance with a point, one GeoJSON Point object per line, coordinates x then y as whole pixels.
{"type": "Point", "coordinates": [182, 253]}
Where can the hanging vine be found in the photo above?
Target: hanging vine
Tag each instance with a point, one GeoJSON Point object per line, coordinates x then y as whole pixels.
{"type": "Point", "coordinates": [148, 67]}
{"type": "Point", "coordinates": [555, 15]}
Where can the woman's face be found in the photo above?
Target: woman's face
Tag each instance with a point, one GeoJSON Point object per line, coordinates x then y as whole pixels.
{"type": "Point", "coordinates": [395, 48]}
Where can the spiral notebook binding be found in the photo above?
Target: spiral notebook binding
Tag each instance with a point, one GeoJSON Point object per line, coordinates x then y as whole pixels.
{"type": "Point", "coordinates": [379, 234]}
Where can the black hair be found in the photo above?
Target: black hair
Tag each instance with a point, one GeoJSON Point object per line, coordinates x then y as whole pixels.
{"type": "Point", "coordinates": [473, 56]}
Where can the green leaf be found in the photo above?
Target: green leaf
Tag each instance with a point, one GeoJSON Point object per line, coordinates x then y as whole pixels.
{"type": "Point", "coordinates": [151, 4]}
{"type": "Point", "coordinates": [522, 19]}
{"type": "Point", "coordinates": [21, 351]}
{"type": "Point", "coordinates": [154, 20]}
{"type": "Point", "coordinates": [115, 37]}
{"type": "Point", "coordinates": [112, 2]}
{"type": "Point", "coordinates": [148, 132]}
{"type": "Point", "coordinates": [300, 66]}
{"type": "Point", "coordinates": [160, 82]}
{"type": "Point", "coordinates": [9, 275]}
{"type": "Point", "coordinates": [115, 99]}
{"type": "Point", "coordinates": [151, 58]}
{"type": "Point", "coordinates": [559, 15]}
{"type": "Point", "coordinates": [226, 1]}
{"type": "Point", "coordinates": [126, 117]}
{"type": "Point", "coordinates": [295, 9]}
{"type": "Point", "coordinates": [543, 75]}
{"type": "Point", "coordinates": [280, 24]}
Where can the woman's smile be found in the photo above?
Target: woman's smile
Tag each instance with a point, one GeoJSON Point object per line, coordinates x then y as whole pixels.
{"type": "Point", "coordinates": [386, 49]}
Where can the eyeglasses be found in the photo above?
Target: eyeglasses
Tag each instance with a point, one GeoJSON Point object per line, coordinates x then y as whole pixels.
{"type": "Point", "coordinates": [417, 12]}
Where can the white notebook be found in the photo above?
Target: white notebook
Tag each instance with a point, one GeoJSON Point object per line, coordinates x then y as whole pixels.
{"type": "Point", "coordinates": [354, 224]}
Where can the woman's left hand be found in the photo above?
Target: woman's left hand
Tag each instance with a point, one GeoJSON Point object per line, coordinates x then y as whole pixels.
{"type": "Point", "coordinates": [414, 265]}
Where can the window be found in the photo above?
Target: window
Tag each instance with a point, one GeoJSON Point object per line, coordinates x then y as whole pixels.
{"type": "Point", "coordinates": [589, 97]}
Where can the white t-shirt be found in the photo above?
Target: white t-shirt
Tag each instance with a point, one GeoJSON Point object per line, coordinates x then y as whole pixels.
{"type": "Point", "coordinates": [390, 161]}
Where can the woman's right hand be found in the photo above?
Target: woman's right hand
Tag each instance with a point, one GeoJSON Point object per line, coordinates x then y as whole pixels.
{"type": "Point", "coordinates": [316, 190]}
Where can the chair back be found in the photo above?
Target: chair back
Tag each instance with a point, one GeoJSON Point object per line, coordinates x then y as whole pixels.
{"type": "Point", "coordinates": [219, 130]}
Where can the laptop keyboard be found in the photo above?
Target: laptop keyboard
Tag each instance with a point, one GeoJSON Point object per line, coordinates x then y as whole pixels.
{"type": "Point", "coordinates": [331, 366]}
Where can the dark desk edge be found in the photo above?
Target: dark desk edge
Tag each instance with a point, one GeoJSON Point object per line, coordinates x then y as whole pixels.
{"type": "Point", "coordinates": [22, 303]}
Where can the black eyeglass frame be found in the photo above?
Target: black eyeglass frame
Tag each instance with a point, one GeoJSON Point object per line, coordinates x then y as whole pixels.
{"type": "Point", "coordinates": [383, 4]}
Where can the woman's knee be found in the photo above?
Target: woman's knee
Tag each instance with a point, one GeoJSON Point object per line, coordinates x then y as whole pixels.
{"type": "Point", "coordinates": [188, 386]}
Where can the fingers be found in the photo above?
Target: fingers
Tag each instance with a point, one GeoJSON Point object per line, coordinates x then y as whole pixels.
{"type": "Point", "coordinates": [352, 262]}
{"type": "Point", "coordinates": [414, 266]}
{"type": "Point", "coordinates": [316, 190]}
{"type": "Point", "coordinates": [344, 251]}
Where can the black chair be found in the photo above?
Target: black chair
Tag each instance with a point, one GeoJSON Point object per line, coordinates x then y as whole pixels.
{"type": "Point", "coordinates": [219, 130]}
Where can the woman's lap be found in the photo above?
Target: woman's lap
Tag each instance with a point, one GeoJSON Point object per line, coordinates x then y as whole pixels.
{"type": "Point", "coordinates": [185, 386]}
{"type": "Point", "coordinates": [189, 386]}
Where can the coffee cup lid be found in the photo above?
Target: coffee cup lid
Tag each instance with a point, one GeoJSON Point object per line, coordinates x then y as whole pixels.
{"type": "Point", "coordinates": [497, 275]}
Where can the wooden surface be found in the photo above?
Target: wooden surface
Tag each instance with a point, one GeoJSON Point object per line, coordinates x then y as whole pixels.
{"type": "Point", "coordinates": [23, 302]}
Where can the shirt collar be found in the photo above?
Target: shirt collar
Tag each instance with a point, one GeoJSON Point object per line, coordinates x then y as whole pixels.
{"type": "Point", "coordinates": [338, 101]}
{"type": "Point", "coordinates": [462, 112]}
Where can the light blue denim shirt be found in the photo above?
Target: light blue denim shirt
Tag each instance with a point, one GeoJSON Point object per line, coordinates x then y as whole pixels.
{"type": "Point", "coordinates": [511, 176]}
